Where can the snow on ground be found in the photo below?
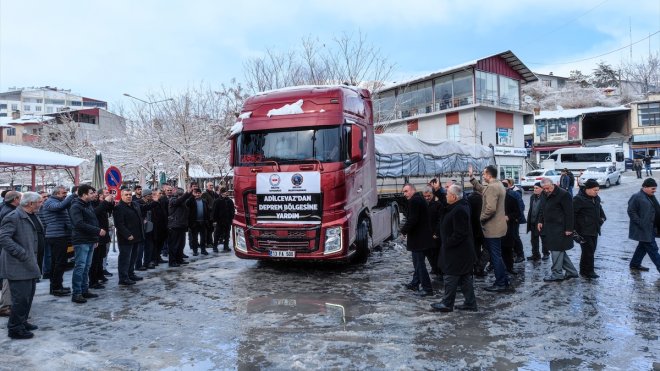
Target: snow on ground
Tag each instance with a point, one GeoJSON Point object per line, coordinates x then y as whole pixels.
{"type": "Point", "coordinates": [221, 312]}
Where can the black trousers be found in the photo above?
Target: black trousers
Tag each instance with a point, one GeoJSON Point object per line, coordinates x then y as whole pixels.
{"type": "Point", "coordinates": [536, 240]}
{"type": "Point", "coordinates": [209, 234]}
{"type": "Point", "coordinates": [481, 253]}
{"type": "Point", "coordinates": [221, 235]}
{"type": "Point", "coordinates": [176, 241]}
{"type": "Point", "coordinates": [58, 247]}
{"type": "Point", "coordinates": [96, 269]}
{"type": "Point", "coordinates": [421, 275]}
{"type": "Point", "coordinates": [639, 173]}
{"type": "Point", "coordinates": [126, 261]}
{"type": "Point", "coordinates": [518, 245]}
{"type": "Point", "coordinates": [467, 288]}
{"type": "Point", "coordinates": [22, 293]}
{"type": "Point", "coordinates": [588, 252]}
{"type": "Point", "coordinates": [197, 236]}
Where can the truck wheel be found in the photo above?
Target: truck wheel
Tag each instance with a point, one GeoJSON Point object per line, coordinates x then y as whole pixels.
{"type": "Point", "coordinates": [394, 224]}
{"type": "Point", "coordinates": [607, 184]}
{"type": "Point", "coordinates": [362, 242]}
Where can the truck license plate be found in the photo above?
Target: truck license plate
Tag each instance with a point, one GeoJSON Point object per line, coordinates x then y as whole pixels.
{"type": "Point", "coordinates": [282, 254]}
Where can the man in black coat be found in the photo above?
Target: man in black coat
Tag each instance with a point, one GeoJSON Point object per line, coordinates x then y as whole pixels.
{"type": "Point", "coordinates": [556, 228]}
{"type": "Point", "coordinates": [102, 208]}
{"type": "Point", "coordinates": [588, 217]}
{"type": "Point", "coordinates": [457, 255]}
{"type": "Point", "coordinates": [130, 233]}
{"type": "Point", "coordinates": [475, 201]}
{"type": "Point", "coordinates": [644, 213]}
{"type": "Point", "coordinates": [198, 220]}
{"type": "Point", "coordinates": [159, 218]}
{"type": "Point", "coordinates": [436, 211]}
{"type": "Point", "coordinates": [417, 229]}
{"type": "Point", "coordinates": [177, 224]}
{"type": "Point", "coordinates": [532, 223]}
{"type": "Point", "coordinates": [512, 212]}
{"type": "Point", "coordinates": [223, 214]}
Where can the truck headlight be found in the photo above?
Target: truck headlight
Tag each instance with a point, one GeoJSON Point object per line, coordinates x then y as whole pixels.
{"type": "Point", "coordinates": [239, 238]}
{"type": "Point", "coordinates": [333, 240]}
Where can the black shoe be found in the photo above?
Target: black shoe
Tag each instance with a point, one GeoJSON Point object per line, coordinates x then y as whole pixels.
{"type": "Point", "coordinates": [640, 268]}
{"type": "Point", "coordinates": [59, 292]}
{"type": "Point", "coordinates": [589, 275]}
{"type": "Point", "coordinates": [545, 257]}
{"type": "Point", "coordinates": [424, 293]}
{"type": "Point", "coordinates": [21, 334]}
{"type": "Point", "coordinates": [519, 259]}
{"type": "Point", "coordinates": [183, 262]}
{"type": "Point", "coordinates": [496, 288]}
{"type": "Point", "coordinates": [440, 307]}
{"type": "Point", "coordinates": [553, 279]}
{"type": "Point", "coordinates": [96, 286]}
{"type": "Point", "coordinates": [126, 283]}
{"type": "Point", "coordinates": [174, 265]}
{"type": "Point", "coordinates": [104, 280]}
{"type": "Point", "coordinates": [78, 299]}
{"type": "Point", "coordinates": [89, 295]}
{"type": "Point", "coordinates": [142, 268]}
{"type": "Point", "coordinates": [204, 252]}
{"type": "Point", "coordinates": [151, 266]}
{"type": "Point", "coordinates": [410, 286]}
{"type": "Point", "coordinates": [195, 253]}
{"type": "Point", "coordinates": [30, 327]}
{"type": "Point", "coordinates": [106, 273]}
{"type": "Point", "coordinates": [135, 278]}
{"type": "Point", "coordinates": [185, 256]}
{"type": "Point", "coordinates": [67, 289]}
{"type": "Point", "coordinates": [534, 258]}
{"type": "Point", "coordinates": [471, 308]}
{"type": "Point", "coordinates": [46, 276]}
{"type": "Point", "coordinates": [569, 276]}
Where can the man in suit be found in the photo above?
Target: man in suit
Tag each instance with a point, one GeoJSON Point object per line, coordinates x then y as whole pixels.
{"type": "Point", "coordinates": [130, 233]}
{"type": "Point", "coordinates": [417, 230]}
{"type": "Point", "coordinates": [644, 213]}
{"type": "Point", "coordinates": [198, 220]}
{"type": "Point", "coordinates": [223, 214]}
{"type": "Point", "coordinates": [21, 234]}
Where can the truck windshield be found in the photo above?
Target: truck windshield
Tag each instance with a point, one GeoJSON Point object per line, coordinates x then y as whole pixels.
{"type": "Point", "coordinates": [323, 144]}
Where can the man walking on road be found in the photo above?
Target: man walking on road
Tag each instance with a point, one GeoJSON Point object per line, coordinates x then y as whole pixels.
{"type": "Point", "coordinates": [647, 165]}
{"type": "Point", "coordinates": [555, 224]}
{"type": "Point", "coordinates": [589, 216]}
{"type": "Point", "coordinates": [417, 230]}
{"type": "Point", "coordinates": [644, 213]}
{"type": "Point", "coordinates": [493, 222]}
{"type": "Point", "coordinates": [21, 234]}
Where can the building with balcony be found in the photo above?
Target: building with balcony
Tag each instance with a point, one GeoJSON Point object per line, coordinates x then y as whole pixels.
{"type": "Point", "coordinates": [44, 100]}
{"type": "Point", "coordinates": [645, 127]}
{"type": "Point", "coordinates": [476, 103]}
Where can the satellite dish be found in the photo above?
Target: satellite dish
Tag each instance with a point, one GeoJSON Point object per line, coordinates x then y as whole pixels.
{"type": "Point", "coordinates": [528, 99]}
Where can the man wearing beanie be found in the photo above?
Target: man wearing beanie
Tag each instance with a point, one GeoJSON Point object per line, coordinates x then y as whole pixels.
{"type": "Point", "coordinates": [532, 221]}
{"type": "Point", "coordinates": [588, 217]}
{"type": "Point", "coordinates": [644, 213]}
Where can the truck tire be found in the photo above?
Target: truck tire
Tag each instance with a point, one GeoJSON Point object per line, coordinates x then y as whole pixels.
{"type": "Point", "coordinates": [362, 242]}
{"type": "Point", "coordinates": [394, 223]}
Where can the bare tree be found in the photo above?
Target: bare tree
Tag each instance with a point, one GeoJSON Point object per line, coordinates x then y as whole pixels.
{"type": "Point", "coordinates": [644, 76]}
{"type": "Point", "coordinates": [346, 59]}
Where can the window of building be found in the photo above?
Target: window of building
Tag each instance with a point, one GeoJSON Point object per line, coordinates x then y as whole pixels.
{"type": "Point", "coordinates": [49, 109]}
{"type": "Point", "coordinates": [55, 101]}
{"type": "Point", "coordinates": [39, 100]}
{"type": "Point", "coordinates": [27, 107]}
{"type": "Point", "coordinates": [37, 108]}
{"type": "Point", "coordinates": [76, 103]}
{"type": "Point", "coordinates": [512, 172]}
{"type": "Point", "coordinates": [384, 106]}
{"type": "Point", "coordinates": [463, 88]}
{"type": "Point", "coordinates": [11, 132]}
{"type": "Point", "coordinates": [509, 92]}
{"type": "Point", "coordinates": [547, 83]}
{"type": "Point", "coordinates": [444, 92]}
{"type": "Point", "coordinates": [3, 106]}
{"type": "Point", "coordinates": [415, 99]}
{"type": "Point", "coordinates": [649, 114]}
{"type": "Point", "coordinates": [486, 87]}
{"type": "Point", "coordinates": [454, 132]}
{"type": "Point", "coordinates": [14, 107]}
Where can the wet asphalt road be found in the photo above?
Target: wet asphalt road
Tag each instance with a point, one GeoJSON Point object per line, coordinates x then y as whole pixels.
{"type": "Point", "coordinates": [221, 312]}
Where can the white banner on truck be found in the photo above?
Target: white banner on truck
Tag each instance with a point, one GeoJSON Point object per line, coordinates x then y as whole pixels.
{"type": "Point", "coordinates": [289, 182]}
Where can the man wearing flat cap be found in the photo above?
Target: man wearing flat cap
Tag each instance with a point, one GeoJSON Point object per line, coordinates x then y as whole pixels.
{"type": "Point", "coordinates": [644, 213]}
{"type": "Point", "coordinates": [588, 218]}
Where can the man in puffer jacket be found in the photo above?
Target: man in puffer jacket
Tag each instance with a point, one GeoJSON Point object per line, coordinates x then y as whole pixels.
{"type": "Point", "coordinates": [55, 211]}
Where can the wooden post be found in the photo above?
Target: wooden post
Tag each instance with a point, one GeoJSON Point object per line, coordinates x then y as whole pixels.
{"type": "Point", "coordinates": [76, 180]}
{"type": "Point", "coordinates": [33, 170]}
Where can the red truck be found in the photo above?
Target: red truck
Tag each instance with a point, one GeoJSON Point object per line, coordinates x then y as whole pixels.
{"type": "Point", "coordinates": [305, 177]}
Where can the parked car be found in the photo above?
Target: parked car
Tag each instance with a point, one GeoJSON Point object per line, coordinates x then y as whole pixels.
{"type": "Point", "coordinates": [527, 182]}
{"type": "Point", "coordinates": [604, 175]}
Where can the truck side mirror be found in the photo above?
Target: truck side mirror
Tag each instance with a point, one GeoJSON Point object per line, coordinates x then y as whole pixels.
{"type": "Point", "coordinates": [357, 144]}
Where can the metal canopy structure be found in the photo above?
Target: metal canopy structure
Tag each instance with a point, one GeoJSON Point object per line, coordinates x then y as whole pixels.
{"type": "Point", "coordinates": [15, 158]}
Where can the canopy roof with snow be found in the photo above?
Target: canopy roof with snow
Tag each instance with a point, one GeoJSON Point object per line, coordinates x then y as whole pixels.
{"type": "Point", "coordinates": [399, 155]}
{"type": "Point", "coordinates": [11, 154]}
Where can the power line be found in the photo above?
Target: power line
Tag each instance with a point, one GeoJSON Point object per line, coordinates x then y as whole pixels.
{"type": "Point", "coordinates": [598, 56]}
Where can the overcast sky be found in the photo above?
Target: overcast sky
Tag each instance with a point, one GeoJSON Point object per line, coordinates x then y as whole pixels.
{"type": "Point", "coordinates": [102, 49]}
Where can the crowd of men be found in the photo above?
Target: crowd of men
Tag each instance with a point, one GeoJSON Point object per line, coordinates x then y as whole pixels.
{"type": "Point", "coordinates": [36, 230]}
{"type": "Point", "coordinates": [466, 236]}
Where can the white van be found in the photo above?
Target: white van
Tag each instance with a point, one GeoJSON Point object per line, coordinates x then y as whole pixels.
{"type": "Point", "coordinates": [579, 158]}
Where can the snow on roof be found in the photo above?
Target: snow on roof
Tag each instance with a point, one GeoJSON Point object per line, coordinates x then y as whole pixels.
{"type": "Point", "coordinates": [566, 113]}
{"type": "Point", "coordinates": [8, 121]}
{"type": "Point", "coordinates": [287, 109]}
{"type": "Point", "coordinates": [15, 154]}
{"type": "Point", "coordinates": [307, 87]}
